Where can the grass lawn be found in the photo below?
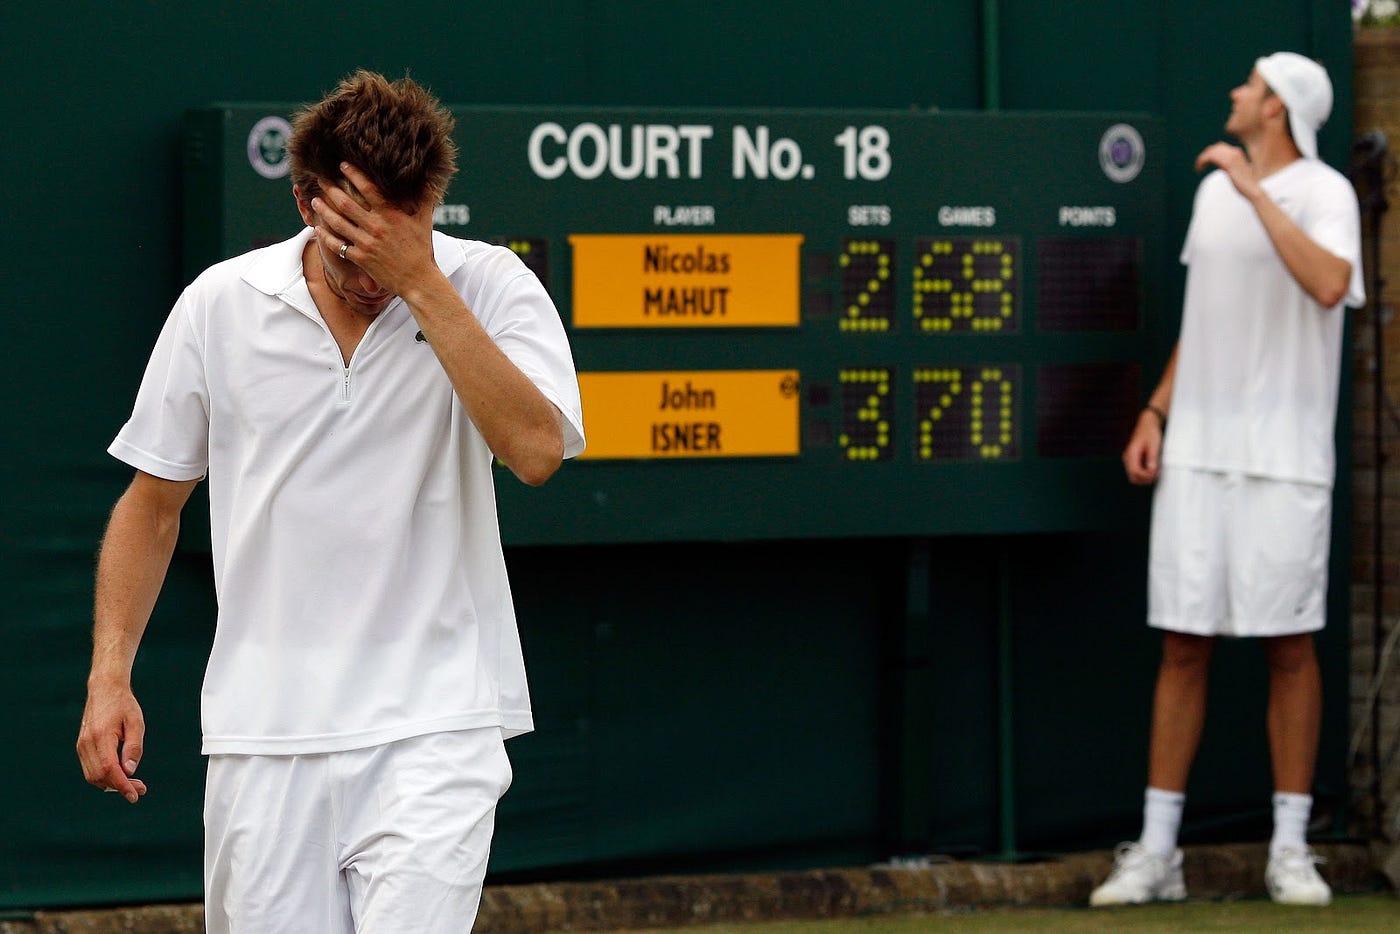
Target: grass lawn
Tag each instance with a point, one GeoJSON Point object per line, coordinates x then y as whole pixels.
{"type": "Point", "coordinates": [1377, 913]}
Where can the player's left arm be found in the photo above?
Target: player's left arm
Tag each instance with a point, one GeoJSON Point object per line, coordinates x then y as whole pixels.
{"type": "Point", "coordinates": [519, 424]}
{"type": "Point", "coordinates": [1321, 273]}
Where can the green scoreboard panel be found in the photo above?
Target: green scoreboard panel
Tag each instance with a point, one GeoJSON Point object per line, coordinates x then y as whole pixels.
{"type": "Point", "coordinates": [799, 323]}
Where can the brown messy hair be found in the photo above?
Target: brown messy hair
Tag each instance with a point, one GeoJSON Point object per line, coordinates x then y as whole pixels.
{"type": "Point", "coordinates": [396, 132]}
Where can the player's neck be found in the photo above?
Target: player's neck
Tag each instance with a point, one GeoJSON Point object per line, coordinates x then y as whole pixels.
{"type": "Point", "coordinates": [346, 327]}
{"type": "Point", "coordinates": [1271, 152]}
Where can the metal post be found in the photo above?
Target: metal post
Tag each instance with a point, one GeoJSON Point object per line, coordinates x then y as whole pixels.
{"type": "Point", "coordinates": [991, 55]}
{"type": "Point", "coordinates": [1369, 164]}
{"type": "Point", "coordinates": [1006, 729]}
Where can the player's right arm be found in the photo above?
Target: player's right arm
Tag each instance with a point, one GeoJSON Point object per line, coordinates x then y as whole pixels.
{"type": "Point", "coordinates": [1324, 275]}
{"type": "Point", "coordinates": [1142, 458]}
{"type": "Point", "coordinates": [131, 567]}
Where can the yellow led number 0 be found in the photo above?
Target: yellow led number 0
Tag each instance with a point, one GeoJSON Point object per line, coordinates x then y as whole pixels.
{"type": "Point", "coordinates": [966, 413]}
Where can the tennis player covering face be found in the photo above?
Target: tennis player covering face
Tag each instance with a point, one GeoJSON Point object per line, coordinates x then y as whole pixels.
{"type": "Point", "coordinates": [344, 392]}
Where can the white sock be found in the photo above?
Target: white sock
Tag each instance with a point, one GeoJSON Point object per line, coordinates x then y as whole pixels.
{"type": "Point", "coordinates": [1161, 821]}
{"type": "Point", "coordinates": [1291, 814]}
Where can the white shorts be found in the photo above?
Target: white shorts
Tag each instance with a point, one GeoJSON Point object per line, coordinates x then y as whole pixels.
{"type": "Point", "coordinates": [393, 838]}
{"type": "Point", "coordinates": [1233, 555]}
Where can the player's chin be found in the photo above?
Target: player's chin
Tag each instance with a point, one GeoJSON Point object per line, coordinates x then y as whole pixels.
{"type": "Point", "coordinates": [371, 309]}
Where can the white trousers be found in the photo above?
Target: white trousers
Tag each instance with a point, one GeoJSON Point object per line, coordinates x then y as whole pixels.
{"type": "Point", "coordinates": [392, 839]}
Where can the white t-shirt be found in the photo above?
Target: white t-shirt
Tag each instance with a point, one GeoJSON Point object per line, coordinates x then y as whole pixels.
{"type": "Point", "coordinates": [362, 589]}
{"type": "Point", "coordinates": [1259, 360]}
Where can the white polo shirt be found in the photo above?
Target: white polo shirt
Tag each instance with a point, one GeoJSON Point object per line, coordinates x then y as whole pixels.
{"type": "Point", "coordinates": [362, 589]}
{"type": "Point", "coordinates": [1259, 360]}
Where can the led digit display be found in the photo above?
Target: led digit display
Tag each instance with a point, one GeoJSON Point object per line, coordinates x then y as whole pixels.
{"type": "Point", "coordinates": [967, 284]}
{"type": "Point", "coordinates": [967, 413]}
{"type": "Point", "coordinates": [1089, 284]}
{"type": "Point", "coordinates": [867, 285]}
{"type": "Point", "coordinates": [867, 414]}
{"type": "Point", "coordinates": [1085, 410]}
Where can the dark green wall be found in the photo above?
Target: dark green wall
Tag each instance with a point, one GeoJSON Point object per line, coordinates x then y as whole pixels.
{"type": "Point", "coordinates": [818, 702]}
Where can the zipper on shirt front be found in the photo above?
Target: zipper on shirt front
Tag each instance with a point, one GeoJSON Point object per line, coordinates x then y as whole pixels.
{"type": "Point", "coordinates": [301, 300]}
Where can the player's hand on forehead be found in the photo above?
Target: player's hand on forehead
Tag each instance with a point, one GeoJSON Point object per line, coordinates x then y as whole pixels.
{"type": "Point", "coordinates": [356, 203]}
{"type": "Point", "coordinates": [348, 208]}
{"type": "Point", "coordinates": [359, 225]}
{"type": "Point", "coordinates": [357, 187]}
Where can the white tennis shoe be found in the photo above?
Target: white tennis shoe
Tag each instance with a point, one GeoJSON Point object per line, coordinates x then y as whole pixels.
{"type": "Point", "coordinates": [1292, 878]}
{"type": "Point", "coordinates": [1140, 876]}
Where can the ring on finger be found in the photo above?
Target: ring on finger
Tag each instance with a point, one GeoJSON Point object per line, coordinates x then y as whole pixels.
{"type": "Point", "coordinates": [343, 247]}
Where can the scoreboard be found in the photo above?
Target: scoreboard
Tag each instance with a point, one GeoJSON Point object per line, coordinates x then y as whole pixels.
{"type": "Point", "coordinates": [799, 323]}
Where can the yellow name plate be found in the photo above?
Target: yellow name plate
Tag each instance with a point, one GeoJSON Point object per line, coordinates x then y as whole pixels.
{"type": "Point", "coordinates": [705, 413]}
{"type": "Point", "coordinates": [686, 281]}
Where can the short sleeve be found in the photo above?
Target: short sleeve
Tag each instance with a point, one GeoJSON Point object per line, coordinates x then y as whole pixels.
{"type": "Point", "coordinates": [527, 328]}
{"type": "Point", "coordinates": [1333, 222]}
{"type": "Point", "coordinates": [168, 432]}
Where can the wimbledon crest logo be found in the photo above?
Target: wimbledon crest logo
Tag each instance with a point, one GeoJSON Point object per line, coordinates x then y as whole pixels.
{"type": "Point", "coordinates": [1121, 153]}
{"type": "Point", "coordinates": [267, 147]}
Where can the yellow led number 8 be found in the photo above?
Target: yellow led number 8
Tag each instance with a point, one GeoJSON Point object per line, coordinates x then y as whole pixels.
{"type": "Point", "coordinates": [963, 284]}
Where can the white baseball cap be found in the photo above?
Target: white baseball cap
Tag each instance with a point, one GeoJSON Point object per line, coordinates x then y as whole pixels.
{"type": "Point", "coordinates": [1303, 86]}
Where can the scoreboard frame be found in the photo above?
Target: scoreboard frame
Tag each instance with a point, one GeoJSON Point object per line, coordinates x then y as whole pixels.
{"type": "Point", "coordinates": [918, 322]}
